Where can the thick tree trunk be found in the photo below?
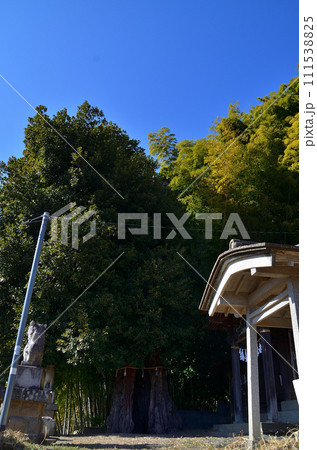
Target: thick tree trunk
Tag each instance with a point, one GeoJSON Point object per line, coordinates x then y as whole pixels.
{"type": "Point", "coordinates": [162, 415]}
{"type": "Point", "coordinates": [141, 402]}
{"type": "Point", "coordinates": [120, 418]}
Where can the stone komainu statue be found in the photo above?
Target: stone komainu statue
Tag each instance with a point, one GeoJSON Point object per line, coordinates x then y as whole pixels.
{"type": "Point", "coordinates": [34, 349]}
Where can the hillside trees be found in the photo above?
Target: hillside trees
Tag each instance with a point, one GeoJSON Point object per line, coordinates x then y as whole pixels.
{"type": "Point", "coordinates": [247, 164]}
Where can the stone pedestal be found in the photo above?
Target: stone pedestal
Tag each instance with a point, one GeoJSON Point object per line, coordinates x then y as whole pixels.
{"type": "Point", "coordinates": [32, 408]}
{"type": "Point", "coordinates": [29, 377]}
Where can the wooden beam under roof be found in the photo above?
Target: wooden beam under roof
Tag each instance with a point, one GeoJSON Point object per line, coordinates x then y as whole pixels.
{"type": "Point", "coordinates": [276, 322]}
{"type": "Point", "coordinates": [230, 299]}
{"type": "Point", "coordinates": [270, 287]}
{"type": "Point", "coordinates": [269, 312]}
{"type": "Point", "coordinates": [269, 304]}
{"type": "Point", "coordinates": [239, 284]}
{"type": "Point", "coordinates": [274, 272]}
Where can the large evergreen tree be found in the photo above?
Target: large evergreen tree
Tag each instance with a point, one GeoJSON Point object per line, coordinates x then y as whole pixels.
{"type": "Point", "coordinates": [139, 313]}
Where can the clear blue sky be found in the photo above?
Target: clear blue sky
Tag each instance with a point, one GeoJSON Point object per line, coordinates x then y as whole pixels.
{"type": "Point", "coordinates": [145, 63]}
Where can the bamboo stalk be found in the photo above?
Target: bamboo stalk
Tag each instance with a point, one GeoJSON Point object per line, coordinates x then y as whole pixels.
{"type": "Point", "coordinates": [69, 412]}
{"type": "Point", "coordinates": [65, 412]}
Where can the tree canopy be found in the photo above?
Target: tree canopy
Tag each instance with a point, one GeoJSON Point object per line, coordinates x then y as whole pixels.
{"type": "Point", "coordinates": [247, 164]}
{"type": "Point", "coordinates": [141, 303]}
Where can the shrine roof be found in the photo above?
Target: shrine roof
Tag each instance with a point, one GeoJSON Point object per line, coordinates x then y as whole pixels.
{"type": "Point", "coordinates": [249, 275]}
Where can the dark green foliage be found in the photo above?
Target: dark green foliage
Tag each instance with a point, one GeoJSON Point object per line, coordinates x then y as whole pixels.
{"type": "Point", "coordinates": [142, 304]}
{"type": "Point", "coordinates": [127, 314]}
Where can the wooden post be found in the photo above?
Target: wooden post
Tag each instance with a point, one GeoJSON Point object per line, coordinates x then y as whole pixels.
{"type": "Point", "coordinates": [236, 384]}
{"type": "Point", "coordinates": [285, 335]}
{"type": "Point", "coordinates": [253, 383]}
{"type": "Point", "coordinates": [293, 288]}
{"type": "Point", "coordinates": [269, 377]}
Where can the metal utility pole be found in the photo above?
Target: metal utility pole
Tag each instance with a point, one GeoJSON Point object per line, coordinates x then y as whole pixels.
{"type": "Point", "coordinates": [24, 316]}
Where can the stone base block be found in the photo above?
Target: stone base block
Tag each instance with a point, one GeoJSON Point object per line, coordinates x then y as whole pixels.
{"type": "Point", "coordinates": [28, 425]}
{"type": "Point", "coordinates": [31, 412]}
{"type": "Point", "coordinates": [29, 377]}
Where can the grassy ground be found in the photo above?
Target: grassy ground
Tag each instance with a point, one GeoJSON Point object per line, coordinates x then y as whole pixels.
{"type": "Point", "coordinates": [18, 441]}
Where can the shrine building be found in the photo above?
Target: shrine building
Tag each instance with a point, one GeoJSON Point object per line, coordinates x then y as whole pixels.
{"type": "Point", "coordinates": [252, 292]}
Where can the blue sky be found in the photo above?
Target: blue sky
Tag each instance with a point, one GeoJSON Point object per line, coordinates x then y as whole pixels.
{"type": "Point", "coordinates": [145, 63]}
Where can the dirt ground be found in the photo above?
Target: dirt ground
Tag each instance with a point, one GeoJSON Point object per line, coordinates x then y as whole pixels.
{"type": "Point", "coordinates": [195, 440]}
{"type": "Point", "coordinates": [192, 440]}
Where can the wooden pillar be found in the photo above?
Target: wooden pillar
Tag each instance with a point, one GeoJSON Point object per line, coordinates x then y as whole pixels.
{"type": "Point", "coordinates": [253, 383]}
{"type": "Point", "coordinates": [269, 377]}
{"type": "Point", "coordinates": [236, 384]}
{"type": "Point", "coordinates": [286, 370]}
{"type": "Point", "coordinates": [293, 288]}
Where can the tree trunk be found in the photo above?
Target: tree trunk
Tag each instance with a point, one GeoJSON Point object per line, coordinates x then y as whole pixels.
{"type": "Point", "coordinates": [120, 418]}
{"type": "Point", "coordinates": [141, 401]}
{"type": "Point", "coordinates": [162, 416]}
